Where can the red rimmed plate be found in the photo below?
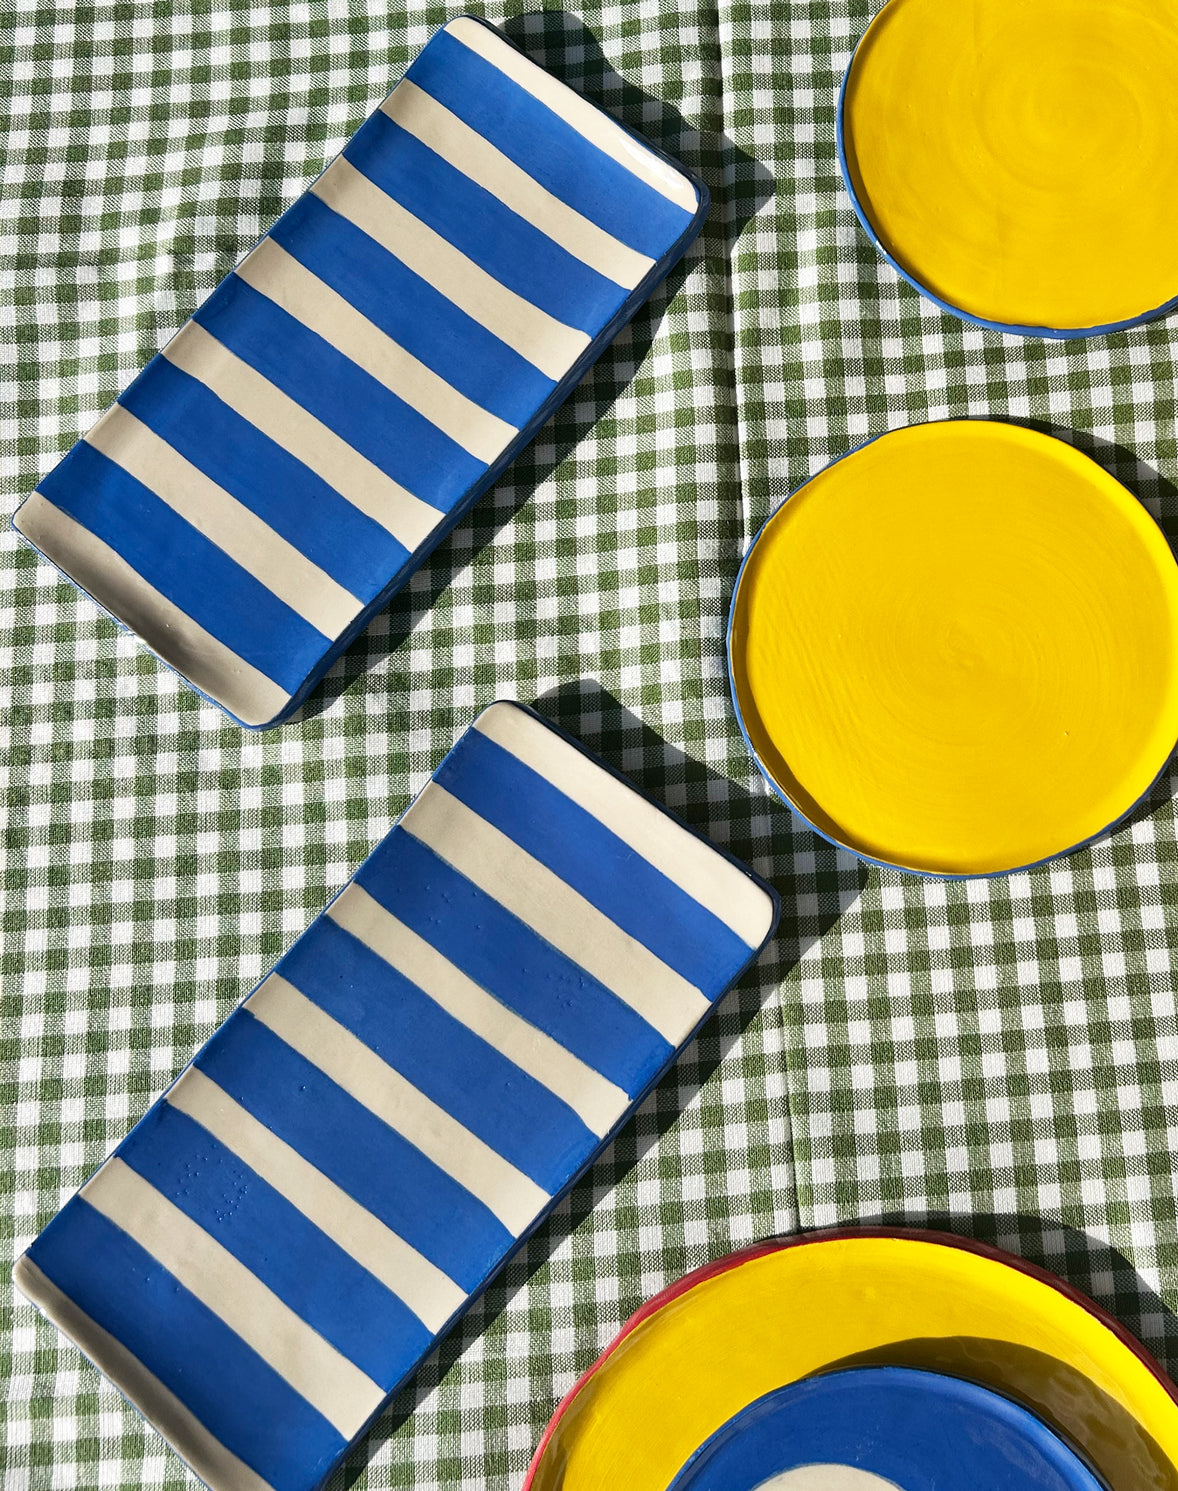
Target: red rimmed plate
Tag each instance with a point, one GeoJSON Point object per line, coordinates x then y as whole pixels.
{"type": "Point", "coordinates": [708, 1346]}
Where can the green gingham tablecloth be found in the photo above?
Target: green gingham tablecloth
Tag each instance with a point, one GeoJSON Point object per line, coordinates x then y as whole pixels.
{"type": "Point", "coordinates": [1000, 1058]}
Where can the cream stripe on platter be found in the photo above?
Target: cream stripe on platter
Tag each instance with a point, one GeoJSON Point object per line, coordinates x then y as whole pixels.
{"type": "Point", "coordinates": [225, 521]}
{"type": "Point", "coordinates": [254, 397]}
{"type": "Point", "coordinates": [170, 632]}
{"type": "Point", "coordinates": [418, 1283]}
{"type": "Point", "coordinates": [695, 867]}
{"type": "Point", "coordinates": [280, 277]}
{"type": "Point", "coordinates": [343, 1394]}
{"type": "Point", "coordinates": [595, 1099]}
{"type": "Point", "coordinates": [545, 342]}
{"type": "Point", "coordinates": [486, 165]}
{"type": "Point", "coordinates": [158, 1404]}
{"type": "Point", "coordinates": [513, 1197]}
{"type": "Point", "coordinates": [556, 912]}
{"type": "Point", "coordinates": [588, 121]}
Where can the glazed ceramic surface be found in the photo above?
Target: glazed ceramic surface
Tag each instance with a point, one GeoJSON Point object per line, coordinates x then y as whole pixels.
{"type": "Point", "coordinates": [287, 1232]}
{"type": "Point", "coordinates": [955, 650]}
{"type": "Point", "coordinates": [278, 471]}
{"type": "Point", "coordinates": [885, 1429]}
{"type": "Point", "coordinates": [1018, 163]}
{"type": "Point", "coordinates": [705, 1349]}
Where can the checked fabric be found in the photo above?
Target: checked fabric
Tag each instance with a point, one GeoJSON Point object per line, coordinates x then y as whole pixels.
{"type": "Point", "coordinates": [998, 1057]}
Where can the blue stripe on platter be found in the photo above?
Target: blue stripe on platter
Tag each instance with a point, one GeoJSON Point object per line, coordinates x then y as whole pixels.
{"type": "Point", "coordinates": [292, 1226]}
{"type": "Point", "coordinates": [364, 1158]}
{"type": "Point", "coordinates": [386, 431]}
{"type": "Point", "coordinates": [885, 1429]}
{"type": "Point", "coordinates": [411, 312]}
{"type": "Point", "coordinates": [486, 943]}
{"type": "Point", "coordinates": [475, 221]}
{"type": "Point", "coordinates": [289, 498]}
{"type": "Point", "coordinates": [222, 1382]}
{"type": "Point", "coordinates": [373, 364]}
{"type": "Point", "coordinates": [168, 552]}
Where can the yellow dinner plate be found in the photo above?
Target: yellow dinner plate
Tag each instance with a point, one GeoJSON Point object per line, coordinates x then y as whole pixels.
{"type": "Point", "coordinates": [1018, 161]}
{"type": "Point", "coordinates": [721, 1338]}
{"type": "Point", "coordinates": [955, 650]}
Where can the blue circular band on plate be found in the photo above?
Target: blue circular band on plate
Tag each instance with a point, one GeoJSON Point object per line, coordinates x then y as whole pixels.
{"type": "Point", "coordinates": [879, 1428]}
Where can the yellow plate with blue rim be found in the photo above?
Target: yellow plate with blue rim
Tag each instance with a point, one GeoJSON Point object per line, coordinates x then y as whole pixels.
{"type": "Point", "coordinates": [955, 650]}
{"type": "Point", "coordinates": [1018, 162]}
{"type": "Point", "coordinates": [707, 1347]}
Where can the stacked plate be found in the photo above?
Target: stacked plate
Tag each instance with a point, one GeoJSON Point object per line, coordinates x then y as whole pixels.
{"type": "Point", "coordinates": [871, 1360]}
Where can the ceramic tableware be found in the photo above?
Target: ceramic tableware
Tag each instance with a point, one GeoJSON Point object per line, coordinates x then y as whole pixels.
{"type": "Point", "coordinates": [955, 650]}
{"type": "Point", "coordinates": [1018, 163]}
{"type": "Point", "coordinates": [370, 368]}
{"type": "Point", "coordinates": [289, 1230]}
{"type": "Point", "coordinates": [706, 1348]}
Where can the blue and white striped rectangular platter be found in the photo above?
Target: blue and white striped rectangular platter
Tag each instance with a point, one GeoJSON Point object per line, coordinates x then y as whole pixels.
{"type": "Point", "coordinates": [367, 371]}
{"type": "Point", "coordinates": [289, 1230]}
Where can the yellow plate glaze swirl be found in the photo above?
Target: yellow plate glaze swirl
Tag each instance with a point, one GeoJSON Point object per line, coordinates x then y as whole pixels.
{"type": "Point", "coordinates": [718, 1340]}
{"type": "Point", "coordinates": [1018, 159]}
{"type": "Point", "coordinates": [956, 649]}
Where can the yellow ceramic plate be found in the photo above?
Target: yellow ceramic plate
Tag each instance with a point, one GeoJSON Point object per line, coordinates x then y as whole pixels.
{"type": "Point", "coordinates": [710, 1345]}
{"type": "Point", "coordinates": [956, 650]}
{"type": "Point", "coordinates": [1019, 161]}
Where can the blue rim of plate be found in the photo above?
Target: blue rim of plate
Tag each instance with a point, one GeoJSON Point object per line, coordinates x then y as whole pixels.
{"type": "Point", "coordinates": [754, 1445]}
{"type": "Point", "coordinates": [750, 1448]}
{"type": "Point", "coordinates": [1052, 333]}
{"type": "Point", "coordinates": [867, 859]}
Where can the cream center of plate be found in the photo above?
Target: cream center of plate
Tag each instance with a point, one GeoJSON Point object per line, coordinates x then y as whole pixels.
{"type": "Point", "coordinates": [827, 1478]}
